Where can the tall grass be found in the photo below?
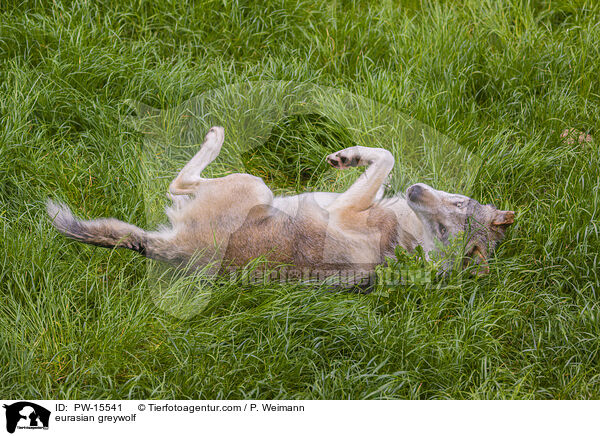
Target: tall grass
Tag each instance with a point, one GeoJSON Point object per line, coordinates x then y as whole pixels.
{"type": "Point", "coordinates": [502, 78]}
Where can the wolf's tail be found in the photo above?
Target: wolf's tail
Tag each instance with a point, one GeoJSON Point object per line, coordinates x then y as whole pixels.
{"type": "Point", "coordinates": [104, 232]}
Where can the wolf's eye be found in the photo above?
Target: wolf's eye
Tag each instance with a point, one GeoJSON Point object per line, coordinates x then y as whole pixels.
{"type": "Point", "coordinates": [459, 204]}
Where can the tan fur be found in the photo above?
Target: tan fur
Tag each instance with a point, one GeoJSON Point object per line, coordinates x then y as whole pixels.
{"type": "Point", "coordinates": [235, 219]}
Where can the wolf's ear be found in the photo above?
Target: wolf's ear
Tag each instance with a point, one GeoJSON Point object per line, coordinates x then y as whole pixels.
{"type": "Point", "coordinates": [504, 218]}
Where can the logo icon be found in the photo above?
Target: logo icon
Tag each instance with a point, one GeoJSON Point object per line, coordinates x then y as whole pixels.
{"type": "Point", "coordinates": [26, 415]}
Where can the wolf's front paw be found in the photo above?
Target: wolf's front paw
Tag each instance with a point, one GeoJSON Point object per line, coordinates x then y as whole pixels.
{"type": "Point", "coordinates": [349, 157]}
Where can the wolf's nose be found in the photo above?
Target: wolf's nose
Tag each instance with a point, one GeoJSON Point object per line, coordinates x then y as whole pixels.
{"type": "Point", "coordinates": [414, 192]}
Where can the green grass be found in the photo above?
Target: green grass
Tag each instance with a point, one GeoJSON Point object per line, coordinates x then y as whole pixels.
{"type": "Point", "coordinates": [501, 78]}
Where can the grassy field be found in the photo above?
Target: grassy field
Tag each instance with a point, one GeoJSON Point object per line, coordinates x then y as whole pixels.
{"type": "Point", "coordinates": [501, 78]}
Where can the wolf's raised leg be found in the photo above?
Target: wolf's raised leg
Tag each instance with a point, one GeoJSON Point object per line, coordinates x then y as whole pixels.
{"type": "Point", "coordinates": [366, 189]}
{"type": "Point", "coordinates": [188, 179]}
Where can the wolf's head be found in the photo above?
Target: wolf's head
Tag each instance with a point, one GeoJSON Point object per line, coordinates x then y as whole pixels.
{"type": "Point", "coordinates": [445, 215]}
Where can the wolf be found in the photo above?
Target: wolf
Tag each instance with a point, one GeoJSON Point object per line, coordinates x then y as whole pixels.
{"type": "Point", "coordinates": [236, 219]}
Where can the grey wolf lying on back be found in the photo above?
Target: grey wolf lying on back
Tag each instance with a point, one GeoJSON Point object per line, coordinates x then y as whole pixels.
{"type": "Point", "coordinates": [235, 219]}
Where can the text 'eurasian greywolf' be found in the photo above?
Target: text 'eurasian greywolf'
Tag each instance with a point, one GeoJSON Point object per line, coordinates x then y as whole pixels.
{"type": "Point", "coordinates": [235, 219]}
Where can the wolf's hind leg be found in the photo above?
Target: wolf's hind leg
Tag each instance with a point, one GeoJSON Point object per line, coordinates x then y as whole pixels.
{"type": "Point", "coordinates": [188, 179]}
